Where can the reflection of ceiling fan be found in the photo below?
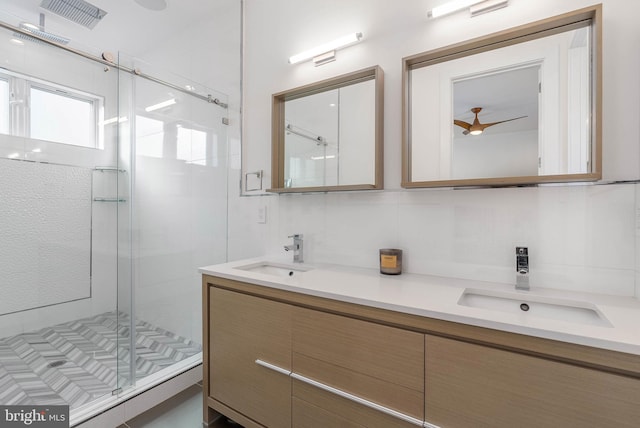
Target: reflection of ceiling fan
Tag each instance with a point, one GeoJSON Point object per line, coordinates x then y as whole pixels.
{"type": "Point", "coordinates": [476, 127]}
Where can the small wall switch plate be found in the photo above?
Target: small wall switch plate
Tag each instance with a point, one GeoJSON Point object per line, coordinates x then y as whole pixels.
{"type": "Point", "coordinates": [261, 217]}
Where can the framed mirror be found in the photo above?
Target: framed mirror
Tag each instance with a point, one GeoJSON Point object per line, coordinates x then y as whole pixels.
{"type": "Point", "coordinates": [328, 136]}
{"type": "Point", "coordinates": [522, 106]}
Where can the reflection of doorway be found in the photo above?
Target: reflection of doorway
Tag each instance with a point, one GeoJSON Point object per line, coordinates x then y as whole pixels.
{"type": "Point", "coordinates": [507, 149]}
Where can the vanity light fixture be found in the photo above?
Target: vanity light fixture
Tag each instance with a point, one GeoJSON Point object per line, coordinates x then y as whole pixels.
{"type": "Point", "coordinates": [163, 104]}
{"type": "Point", "coordinates": [487, 6]}
{"type": "Point", "coordinates": [327, 52]}
{"type": "Point", "coordinates": [476, 7]}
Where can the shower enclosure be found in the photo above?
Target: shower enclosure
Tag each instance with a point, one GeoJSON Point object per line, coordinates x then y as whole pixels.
{"type": "Point", "coordinates": [113, 191]}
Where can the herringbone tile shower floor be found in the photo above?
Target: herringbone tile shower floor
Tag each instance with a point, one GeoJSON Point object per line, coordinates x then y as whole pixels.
{"type": "Point", "coordinates": [76, 362]}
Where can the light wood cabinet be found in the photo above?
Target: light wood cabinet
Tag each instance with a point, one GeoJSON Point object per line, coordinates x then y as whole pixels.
{"type": "Point", "coordinates": [380, 364]}
{"type": "Point", "coordinates": [477, 386]}
{"type": "Point", "coordinates": [280, 359]}
{"type": "Point", "coordinates": [314, 407]}
{"type": "Point", "coordinates": [243, 329]}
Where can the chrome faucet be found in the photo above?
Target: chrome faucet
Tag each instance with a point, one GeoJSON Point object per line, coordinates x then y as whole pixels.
{"type": "Point", "coordinates": [296, 247]}
{"type": "Point", "coordinates": [522, 268]}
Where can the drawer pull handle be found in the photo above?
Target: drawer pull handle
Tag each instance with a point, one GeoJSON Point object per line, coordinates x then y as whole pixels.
{"type": "Point", "coordinates": [355, 398]}
{"type": "Point", "coordinates": [273, 367]}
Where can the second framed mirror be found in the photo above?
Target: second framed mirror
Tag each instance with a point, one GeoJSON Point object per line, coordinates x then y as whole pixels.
{"type": "Point", "coordinates": [522, 106]}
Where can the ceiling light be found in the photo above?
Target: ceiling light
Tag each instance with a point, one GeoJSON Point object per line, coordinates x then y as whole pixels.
{"type": "Point", "coordinates": [37, 150]}
{"type": "Point", "coordinates": [476, 132]}
{"type": "Point", "coordinates": [163, 104]}
{"type": "Point", "coordinates": [13, 155]}
{"type": "Point", "coordinates": [327, 49]}
{"type": "Point", "coordinates": [323, 157]}
{"type": "Point", "coordinates": [477, 7]}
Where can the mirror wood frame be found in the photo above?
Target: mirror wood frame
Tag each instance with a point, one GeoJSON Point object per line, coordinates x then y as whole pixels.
{"type": "Point", "coordinates": [278, 129]}
{"type": "Point", "coordinates": [509, 37]}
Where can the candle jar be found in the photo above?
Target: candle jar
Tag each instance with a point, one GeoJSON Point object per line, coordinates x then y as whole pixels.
{"type": "Point", "coordinates": [390, 261]}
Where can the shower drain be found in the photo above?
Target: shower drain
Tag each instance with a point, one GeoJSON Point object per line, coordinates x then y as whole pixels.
{"type": "Point", "coordinates": [57, 363]}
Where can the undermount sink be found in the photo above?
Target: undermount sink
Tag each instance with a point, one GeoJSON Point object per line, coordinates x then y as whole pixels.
{"type": "Point", "coordinates": [276, 269]}
{"type": "Point", "coordinates": [529, 305]}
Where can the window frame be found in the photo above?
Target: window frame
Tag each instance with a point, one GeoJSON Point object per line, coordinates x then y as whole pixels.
{"type": "Point", "coordinates": [24, 84]}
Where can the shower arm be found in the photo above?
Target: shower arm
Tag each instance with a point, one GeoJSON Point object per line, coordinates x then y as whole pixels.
{"type": "Point", "coordinates": [136, 72]}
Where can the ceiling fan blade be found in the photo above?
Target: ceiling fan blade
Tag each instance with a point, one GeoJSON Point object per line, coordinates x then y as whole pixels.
{"type": "Point", "coordinates": [462, 124]}
{"type": "Point", "coordinates": [486, 125]}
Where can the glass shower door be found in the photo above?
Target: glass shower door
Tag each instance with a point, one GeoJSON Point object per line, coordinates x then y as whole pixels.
{"type": "Point", "coordinates": [174, 140]}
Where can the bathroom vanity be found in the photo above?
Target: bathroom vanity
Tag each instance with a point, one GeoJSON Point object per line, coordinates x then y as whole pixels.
{"type": "Point", "coordinates": [337, 347]}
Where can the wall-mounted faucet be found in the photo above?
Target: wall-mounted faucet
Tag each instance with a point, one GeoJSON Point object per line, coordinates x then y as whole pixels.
{"type": "Point", "coordinates": [298, 255]}
{"type": "Point", "coordinates": [522, 268]}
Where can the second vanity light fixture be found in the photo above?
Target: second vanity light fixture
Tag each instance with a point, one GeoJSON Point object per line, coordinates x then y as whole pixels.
{"type": "Point", "coordinates": [327, 52]}
{"type": "Point", "coordinates": [476, 7]}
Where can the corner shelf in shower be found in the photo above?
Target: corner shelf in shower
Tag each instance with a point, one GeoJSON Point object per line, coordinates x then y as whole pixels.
{"type": "Point", "coordinates": [109, 169]}
{"type": "Point", "coordinates": [109, 200]}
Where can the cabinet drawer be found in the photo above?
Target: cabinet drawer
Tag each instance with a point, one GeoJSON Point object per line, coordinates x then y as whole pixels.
{"type": "Point", "coordinates": [476, 386]}
{"type": "Point", "coordinates": [243, 329]}
{"type": "Point", "coordinates": [379, 363]}
{"type": "Point", "coordinates": [312, 408]}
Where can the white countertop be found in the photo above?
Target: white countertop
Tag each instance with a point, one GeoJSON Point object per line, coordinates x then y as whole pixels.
{"type": "Point", "coordinates": [437, 297]}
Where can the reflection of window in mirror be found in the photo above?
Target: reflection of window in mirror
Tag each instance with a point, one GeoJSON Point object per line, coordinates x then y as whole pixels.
{"type": "Point", "coordinates": [328, 136]}
{"type": "Point", "coordinates": [521, 108]}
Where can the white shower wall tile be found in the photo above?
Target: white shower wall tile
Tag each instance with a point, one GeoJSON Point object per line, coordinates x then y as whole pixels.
{"type": "Point", "coordinates": [353, 213]}
{"type": "Point", "coordinates": [580, 237]}
{"type": "Point", "coordinates": [46, 212]}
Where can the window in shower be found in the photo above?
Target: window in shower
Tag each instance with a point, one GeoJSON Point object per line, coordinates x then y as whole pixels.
{"type": "Point", "coordinates": [48, 111]}
{"type": "Point", "coordinates": [62, 117]}
{"type": "Point", "coordinates": [192, 146]}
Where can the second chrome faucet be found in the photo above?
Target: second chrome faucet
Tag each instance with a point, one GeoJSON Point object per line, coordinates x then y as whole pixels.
{"type": "Point", "coordinates": [296, 247]}
{"type": "Point", "coordinates": [522, 268]}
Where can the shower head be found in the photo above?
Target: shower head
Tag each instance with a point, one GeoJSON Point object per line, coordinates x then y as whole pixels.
{"type": "Point", "coordinates": [78, 11]}
{"type": "Point", "coordinates": [39, 32]}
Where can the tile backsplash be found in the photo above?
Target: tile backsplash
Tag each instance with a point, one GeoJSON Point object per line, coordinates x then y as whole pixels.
{"type": "Point", "coordinates": [580, 237]}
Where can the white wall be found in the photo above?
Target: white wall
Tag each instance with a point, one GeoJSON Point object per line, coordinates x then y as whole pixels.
{"type": "Point", "coordinates": [580, 237]}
